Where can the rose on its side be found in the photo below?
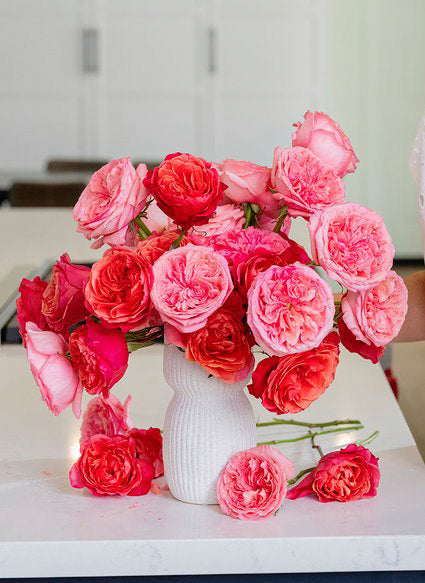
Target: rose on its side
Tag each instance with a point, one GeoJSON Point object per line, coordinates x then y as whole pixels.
{"type": "Point", "coordinates": [253, 483]}
{"type": "Point", "coordinates": [105, 417]}
{"type": "Point", "coordinates": [349, 474]}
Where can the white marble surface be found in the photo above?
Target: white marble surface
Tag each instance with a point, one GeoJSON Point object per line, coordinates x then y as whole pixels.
{"type": "Point", "coordinates": [47, 529]}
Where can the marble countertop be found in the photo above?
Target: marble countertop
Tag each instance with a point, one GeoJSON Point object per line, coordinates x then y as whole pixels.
{"type": "Point", "coordinates": [47, 529]}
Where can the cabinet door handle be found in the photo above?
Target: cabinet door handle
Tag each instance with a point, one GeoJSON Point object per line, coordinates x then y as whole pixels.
{"type": "Point", "coordinates": [90, 50]}
{"type": "Point", "coordinates": [212, 51]}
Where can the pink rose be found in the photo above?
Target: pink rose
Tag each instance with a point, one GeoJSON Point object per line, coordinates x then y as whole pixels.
{"type": "Point", "coordinates": [63, 303]}
{"type": "Point", "coordinates": [303, 182]}
{"type": "Point", "coordinates": [323, 136]}
{"type": "Point", "coordinates": [352, 245]}
{"type": "Point", "coordinates": [114, 196]}
{"type": "Point", "coordinates": [345, 475]}
{"type": "Point", "coordinates": [28, 305]}
{"type": "Point", "coordinates": [253, 483]}
{"type": "Point", "coordinates": [52, 371]}
{"type": "Point", "coordinates": [241, 244]}
{"type": "Point", "coordinates": [118, 290]}
{"type": "Point", "coordinates": [99, 355]}
{"type": "Point", "coordinates": [190, 283]}
{"type": "Point", "coordinates": [290, 309]}
{"type": "Point", "coordinates": [105, 417]}
{"type": "Point", "coordinates": [376, 315]}
{"type": "Point", "coordinates": [228, 217]}
{"type": "Point", "coordinates": [248, 182]}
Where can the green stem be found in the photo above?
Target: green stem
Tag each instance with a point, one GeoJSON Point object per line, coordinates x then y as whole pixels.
{"type": "Point", "coordinates": [177, 242]}
{"type": "Point", "coordinates": [300, 475]}
{"type": "Point", "coordinates": [145, 232]}
{"type": "Point", "coordinates": [311, 425]}
{"type": "Point", "coordinates": [281, 219]}
{"type": "Point", "coordinates": [309, 435]}
{"type": "Point", "coordinates": [248, 216]}
{"type": "Point", "coordinates": [369, 439]}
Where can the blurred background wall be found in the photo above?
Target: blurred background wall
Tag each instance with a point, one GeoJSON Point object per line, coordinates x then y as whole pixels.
{"type": "Point", "coordinates": [96, 79]}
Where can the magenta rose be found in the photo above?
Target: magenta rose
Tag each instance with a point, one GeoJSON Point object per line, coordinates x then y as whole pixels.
{"type": "Point", "coordinates": [63, 303]}
{"type": "Point", "coordinates": [114, 196]}
{"type": "Point", "coordinates": [52, 371]}
{"type": "Point", "coordinates": [190, 283]}
{"type": "Point", "coordinates": [345, 475]}
{"type": "Point", "coordinates": [105, 417]}
{"type": "Point", "coordinates": [376, 315]}
{"type": "Point", "coordinates": [99, 355]}
{"type": "Point", "coordinates": [290, 309]}
{"type": "Point", "coordinates": [228, 217]}
{"type": "Point", "coordinates": [323, 136]}
{"type": "Point", "coordinates": [109, 466]}
{"type": "Point", "coordinates": [352, 245]}
{"type": "Point", "coordinates": [253, 483]}
{"type": "Point", "coordinates": [118, 290]}
{"type": "Point", "coordinates": [28, 305]}
{"type": "Point", "coordinates": [303, 182]}
{"type": "Point", "coordinates": [248, 182]}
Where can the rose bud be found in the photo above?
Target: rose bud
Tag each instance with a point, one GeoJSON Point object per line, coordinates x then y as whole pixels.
{"type": "Point", "coordinates": [99, 355]}
{"type": "Point", "coordinates": [28, 305]}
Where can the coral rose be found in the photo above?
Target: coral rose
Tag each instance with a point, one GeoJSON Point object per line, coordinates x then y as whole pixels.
{"type": "Point", "coordinates": [352, 245]}
{"type": "Point", "coordinates": [114, 196]}
{"type": "Point", "coordinates": [99, 355]}
{"type": "Point", "coordinates": [289, 384]}
{"type": "Point", "coordinates": [118, 290]}
{"type": "Point", "coordinates": [28, 305]}
{"type": "Point", "coordinates": [63, 303]}
{"type": "Point", "coordinates": [190, 283]}
{"type": "Point", "coordinates": [248, 182]}
{"type": "Point", "coordinates": [156, 245]}
{"type": "Point", "coordinates": [253, 483]}
{"type": "Point", "coordinates": [105, 417]}
{"type": "Point", "coordinates": [52, 371]}
{"type": "Point", "coordinates": [186, 188]}
{"type": "Point", "coordinates": [222, 347]}
{"type": "Point", "coordinates": [109, 466]}
{"type": "Point", "coordinates": [345, 475]}
{"type": "Point", "coordinates": [148, 444]}
{"type": "Point", "coordinates": [350, 342]}
{"type": "Point", "coordinates": [303, 182]}
{"type": "Point", "coordinates": [290, 309]}
{"type": "Point", "coordinates": [323, 136]}
{"type": "Point", "coordinates": [376, 315]}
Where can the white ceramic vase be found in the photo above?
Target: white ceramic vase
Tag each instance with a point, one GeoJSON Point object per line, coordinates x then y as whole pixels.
{"type": "Point", "coordinates": [207, 421]}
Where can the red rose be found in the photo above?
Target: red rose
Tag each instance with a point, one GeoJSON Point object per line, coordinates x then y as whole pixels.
{"type": "Point", "coordinates": [63, 300]}
{"type": "Point", "coordinates": [245, 270]}
{"type": "Point", "coordinates": [368, 351]}
{"type": "Point", "coordinates": [294, 252]}
{"type": "Point", "coordinates": [289, 384]}
{"type": "Point", "coordinates": [99, 355]}
{"type": "Point", "coordinates": [348, 474]}
{"type": "Point", "coordinates": [222, 347]}
{"type": "Point", "coordinates": [109, 466]}
{"type": "Point", "coordinates": [186, 188]}
{"type": "Point", "coordinates": [148, 444]}
{"type": "Point", "coordinates": [118, 290]}
{"type": "Point", "coordinates": [28, 305]}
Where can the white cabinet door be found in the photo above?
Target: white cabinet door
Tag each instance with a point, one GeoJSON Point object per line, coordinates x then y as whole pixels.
{"type": "Point", "coordinates": [42, 93]}
{"type": "Point", "coordinates": [152, 93]}
{"type": "Point", "coordinates": [268, 56]}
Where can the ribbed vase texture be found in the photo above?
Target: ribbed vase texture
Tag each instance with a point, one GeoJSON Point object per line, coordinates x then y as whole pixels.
{"type": "Point", "coordinates": [207, 421]}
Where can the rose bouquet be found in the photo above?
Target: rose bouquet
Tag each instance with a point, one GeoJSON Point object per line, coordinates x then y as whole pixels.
{"type": "Point", "coordinates": [200, 255]}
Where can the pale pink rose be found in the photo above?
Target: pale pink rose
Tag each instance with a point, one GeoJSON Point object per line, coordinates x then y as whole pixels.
{"type": "Point", "coordinates": [269, 223]}
{"type": "Point", "coordinates": [105, 417]}
{"type": "Point", "coordinates": [254, 482]}
{"type": "Point", "coordinates": [247, 182]}
{"type": "Point", "coordinates": [323, 136]}
{"type": "Point", "coordinates": [352, 245]}
{"type": "Point", "coordinates": [303, 182]}
{"type": "Point", "coordinates": [290, 309]}
{"type": "Point", "coordinates": [114, 196]}
{"type": "Point", "coordinates": [52, 371]}
{"type": "Point", "coordinates": [376, 315]}
{"type": "Point", "coordinates": [190, 283]}
{"type": "Point", "coordinates": [228, 217]}
{"type": "Point", "coordinates": [241, 244]}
